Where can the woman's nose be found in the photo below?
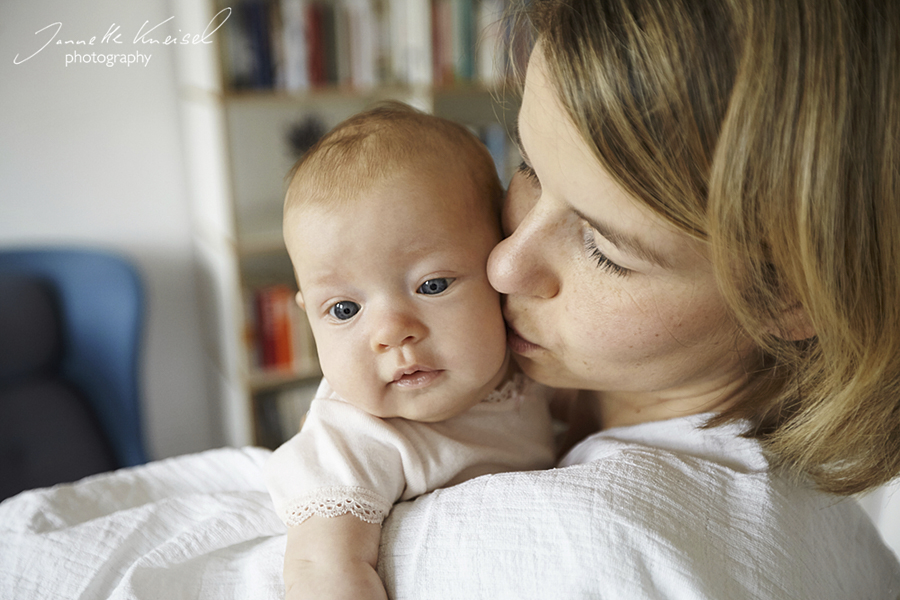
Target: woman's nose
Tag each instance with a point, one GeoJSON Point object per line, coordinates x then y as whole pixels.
{"type": "Point", "coordinates": [520, 265]}
{"type": "Point", "coordinates": [396, 328]}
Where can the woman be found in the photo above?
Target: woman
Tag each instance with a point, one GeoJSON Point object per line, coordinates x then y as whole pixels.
{"type": "Point", "coordinates": [704, 236]}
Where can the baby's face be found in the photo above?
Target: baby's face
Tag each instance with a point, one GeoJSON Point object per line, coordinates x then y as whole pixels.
{"type": "Point", "coordinates": [394, 285]}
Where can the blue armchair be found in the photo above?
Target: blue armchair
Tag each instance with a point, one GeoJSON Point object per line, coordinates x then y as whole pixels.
{"type": "Point", "coordinates": [70, 337]}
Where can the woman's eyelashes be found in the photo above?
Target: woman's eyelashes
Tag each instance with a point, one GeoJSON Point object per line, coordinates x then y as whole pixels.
{"type": "Point", "coordinates": [589, 242]}
{"type": "Point", "coordinates": [526, 170]}
{"type": "Point", "coordinates": [603, 262]}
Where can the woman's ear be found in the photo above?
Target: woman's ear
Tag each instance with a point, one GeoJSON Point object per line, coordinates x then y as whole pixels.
{"type": "Point", "coordinates": [793, 325]}
{"type": "Point", "coordinates": [300, 303]}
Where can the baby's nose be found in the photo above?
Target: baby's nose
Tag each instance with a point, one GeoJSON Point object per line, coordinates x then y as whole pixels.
{"type": "Point", "coordinates": [396, 329]}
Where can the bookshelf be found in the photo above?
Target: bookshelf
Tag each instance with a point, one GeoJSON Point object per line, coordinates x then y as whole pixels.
{"type": "Point", "coordinates": [279, 73]}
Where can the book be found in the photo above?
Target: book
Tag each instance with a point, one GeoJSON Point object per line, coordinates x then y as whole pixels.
{"type": "Point", "coordinates": [295, 41]}
{"type": "Point", "coordinates": [237, 52]}
{"type": "Point", "coordinates": [281, 337]}
{"type": "Point", "coordinates": [464, 40]}
{"type": "Point", "coordinates": [329, 41]}
{"type": "Point", "coordinates": [489, 43]}
{"type": "Point", "coordinates": [299, 45]}
{"type": "Point", "coordinates": [316, 45]}
{"type": "Point", "coordinates": [274, 332]}
{"type": "Point", "coordinates": [364, 48]}
{"type": "Point", "coordinates": [276, 43]}
{"type": "Point", "coordinates": [410, 38]}
{"type": "Point", "coordinates": [442, 42]}
{"type": "Point", "coordinates": [418, 42]}
{"type": "Point", "coordinates": [256, 20]}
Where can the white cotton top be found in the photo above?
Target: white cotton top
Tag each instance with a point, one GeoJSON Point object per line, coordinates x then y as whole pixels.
{"type": "Point", "coordinates": [658, 510]}
{"type": "Point", "coordinates": [345, 460]}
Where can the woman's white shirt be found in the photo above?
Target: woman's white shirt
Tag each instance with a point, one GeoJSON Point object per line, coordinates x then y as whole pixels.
{"type": "Point", "coordinates": [659, 510]}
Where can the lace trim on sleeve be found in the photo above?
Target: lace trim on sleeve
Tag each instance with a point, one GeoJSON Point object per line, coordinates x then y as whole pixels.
{"type": "Point", "coordinates": [329, 502]}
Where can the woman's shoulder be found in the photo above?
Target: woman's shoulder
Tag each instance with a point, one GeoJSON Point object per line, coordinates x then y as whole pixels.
{"type": "Point", "coordinates": [683, 438]}
{"type": "Point", "coordinates": [686, 520]}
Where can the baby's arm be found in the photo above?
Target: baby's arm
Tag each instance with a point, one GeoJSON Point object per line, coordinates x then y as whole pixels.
{"type": "Point", "coordinates": [332, 484]}
{"type": "Point", "coordinates": [333, 557]}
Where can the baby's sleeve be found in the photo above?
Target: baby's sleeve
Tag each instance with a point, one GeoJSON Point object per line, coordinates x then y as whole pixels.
{"type": "Point", "coordinates": [343, 461]}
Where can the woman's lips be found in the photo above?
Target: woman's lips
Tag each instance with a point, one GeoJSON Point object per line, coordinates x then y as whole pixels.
{"type": "Point", "coordinates": [519, 344]}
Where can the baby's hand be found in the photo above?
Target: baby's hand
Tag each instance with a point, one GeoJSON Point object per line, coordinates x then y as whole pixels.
{"type": "Point", "coordinates": [357, 581]}
{"type": "Point", "coordinates": [333, 559]}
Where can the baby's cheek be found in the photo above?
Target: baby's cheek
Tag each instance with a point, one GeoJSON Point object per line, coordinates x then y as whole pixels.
{"type": "Point", "coordinates": [337, 363]}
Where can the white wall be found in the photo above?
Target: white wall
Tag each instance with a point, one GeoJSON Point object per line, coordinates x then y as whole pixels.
{"type": "Point", "coordinates": [92, 155]}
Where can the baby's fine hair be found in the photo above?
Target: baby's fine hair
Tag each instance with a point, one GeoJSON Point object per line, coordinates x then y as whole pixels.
{"type": "Point", "coordinates": [392, 136]}
{"type": "Point", "coordinates": [769, 129]}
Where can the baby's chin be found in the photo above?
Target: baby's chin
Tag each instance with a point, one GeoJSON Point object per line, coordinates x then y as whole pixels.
{"type": "Point", "coordinates": [423, 411]}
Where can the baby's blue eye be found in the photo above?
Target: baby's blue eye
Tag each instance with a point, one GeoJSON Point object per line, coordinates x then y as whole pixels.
{"type": "Point", "coordinates": [434, 286]}
{"type": "Point", "coordinates": [344, 310]}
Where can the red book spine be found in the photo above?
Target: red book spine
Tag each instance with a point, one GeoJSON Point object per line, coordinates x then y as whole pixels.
{"type": "Point", "coordinates": [275, 327]}
{"type": "Point", "coordinates": [317, 74]}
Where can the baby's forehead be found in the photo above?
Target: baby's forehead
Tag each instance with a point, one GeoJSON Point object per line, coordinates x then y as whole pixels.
{"type": "Point", "coordinates": [446, 186]}
{"type": "Point", "coordinates": [400, 218]}
{"type": "Point", "coordinates": [372, 263]}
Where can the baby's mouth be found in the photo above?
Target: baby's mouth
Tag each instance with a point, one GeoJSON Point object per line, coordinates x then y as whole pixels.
{"type": "Point", "coordinates": [415, 376]}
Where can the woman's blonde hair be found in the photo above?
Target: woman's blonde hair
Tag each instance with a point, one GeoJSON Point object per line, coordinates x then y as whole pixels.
{"type": "Point", "coordinates": [771, 130]}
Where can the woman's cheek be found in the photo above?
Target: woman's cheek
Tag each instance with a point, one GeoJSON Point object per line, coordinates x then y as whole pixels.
{"type": "Point", "coordinates": [608, 320]}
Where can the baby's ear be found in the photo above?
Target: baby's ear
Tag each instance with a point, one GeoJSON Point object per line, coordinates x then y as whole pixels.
{"type": "Point", "coordinates": [793, 325]}
{"type": "Point", "coordinates": [300, 302]}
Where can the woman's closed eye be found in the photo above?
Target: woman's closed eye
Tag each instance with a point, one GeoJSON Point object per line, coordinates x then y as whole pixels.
{"type": "Point", "coordinates": [436, 286]}
{"type": "Point", "coordinates": [526, 170]}
{"type": "Point", "coordinates": [603, 262]}
{"type": "Point", "coordinates": [590, 243]}
{"type": "Point", "coordinates": [344, 310]}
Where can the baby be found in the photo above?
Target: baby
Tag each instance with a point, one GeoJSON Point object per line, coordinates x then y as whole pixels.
{"type": "Point", "coordinates": [389, 221]}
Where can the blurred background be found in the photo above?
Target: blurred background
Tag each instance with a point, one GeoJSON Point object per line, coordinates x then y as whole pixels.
{"type": "Point", "coordinates": [93, 156]}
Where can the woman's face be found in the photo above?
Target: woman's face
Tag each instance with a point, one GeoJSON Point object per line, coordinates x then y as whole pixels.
{"type": "Point", "coordinates": [602, 294]}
